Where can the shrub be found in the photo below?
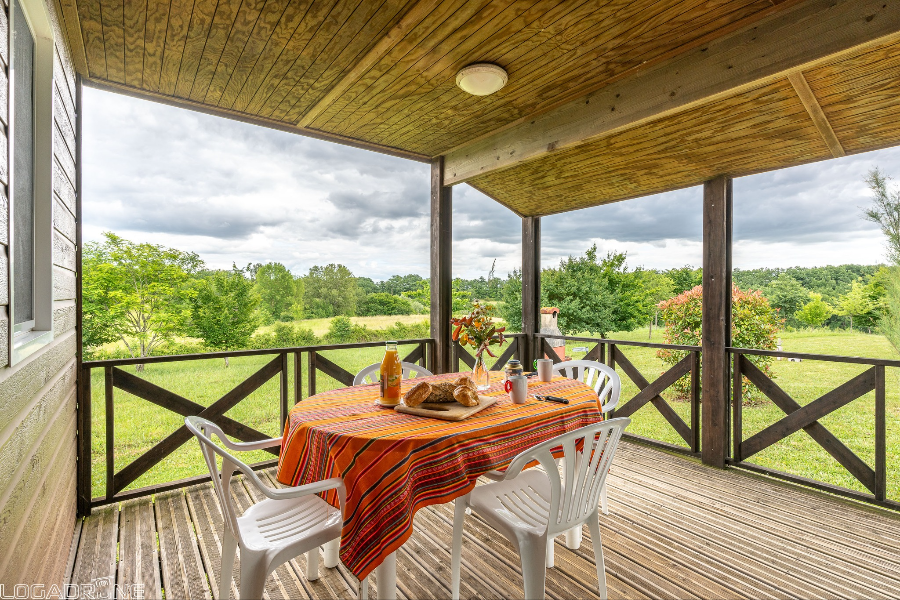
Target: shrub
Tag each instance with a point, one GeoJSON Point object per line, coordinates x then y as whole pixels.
{"type": "Point", "coordinates": [284, 335]}
{"type": "Point", "coordinates": [340, 331]}
{"type": "Point", "coordinates": [384, 304]}
{"type": "Point", "coordinates": [754, 324]}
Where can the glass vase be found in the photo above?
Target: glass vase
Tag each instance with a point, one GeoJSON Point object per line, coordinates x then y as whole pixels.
{"type": "Point", "coordinates": [480, 373]}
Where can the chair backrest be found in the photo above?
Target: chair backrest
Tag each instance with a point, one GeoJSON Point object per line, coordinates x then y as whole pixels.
{"type": "Point", "coordinates": [594, 375]}
{"type": "Point", "coordinates": [221, 477]}
{"type": "Point", "coordinates": [371, 373]}
{"type": "Point", "coordinates": [587, 454]}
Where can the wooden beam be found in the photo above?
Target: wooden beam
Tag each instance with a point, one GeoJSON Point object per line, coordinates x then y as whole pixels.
{"type": "Point", "coordinates": [411, 19]}
{"type": "Point", "coordinates": [251, 119]}
{"type": "Point", "coordinates": [441, 265]}
{"type": "Point", "coordinates": [799, 37]}
{"type": "Point", "coordinates": [811, 104]}
{"type": "Point", "coordinates": [531, 287]}
{"type": "Point", "coordinates": [716, 313]}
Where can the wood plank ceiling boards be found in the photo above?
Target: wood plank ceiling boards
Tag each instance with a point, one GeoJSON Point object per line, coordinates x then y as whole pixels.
{"type": "Point", "coordinates": [606, 100]}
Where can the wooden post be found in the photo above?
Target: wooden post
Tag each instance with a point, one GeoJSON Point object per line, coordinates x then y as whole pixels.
{"type": "Point", "coordinates": [531, 288]}
{"type": "Point", "coordinates": [716, 319]}
{"type": "Point", "coordinates": [83, 377]}
{"type": "Point", "coordinates": [441, 265]}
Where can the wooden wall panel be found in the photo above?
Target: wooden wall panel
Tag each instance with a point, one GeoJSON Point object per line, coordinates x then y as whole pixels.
{"type": "Point", "coordinates": [37, 396]}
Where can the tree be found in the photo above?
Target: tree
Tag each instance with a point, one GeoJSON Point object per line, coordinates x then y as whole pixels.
{"type": "Point", "coordinates": [275, 286]}
{"type": "Point", "coordinates": [511, 296]}
{"type": "Point", "coordinates": [143, 288]}
{"type": "Point", "coordinates": [787, 295]}
{"type": "Point", "coordinates": [815, 312]}
{"type": "Point", "coordinates": [384, 304]}
{"type": "Point", "coordinates": [595, 296]}
{"type": "Point", "coordinates": [885, 211]}
{"type": "Point", "coordinates": [398, 284]}
{"type": "Point", "coordinates": [297, 306]}
{"type": "Point", "coordinates": [223, 310]}
{"type": "Point", "coordinates": [685, 278]}
{"type": "Point", "coordinates": [330, 291]}
{"type": "Point", "coordinates": [855, 302]}
{"type": "Point", "coordinates": [461, 299]}
{"type": "Point", "coordinates": [657, 287]}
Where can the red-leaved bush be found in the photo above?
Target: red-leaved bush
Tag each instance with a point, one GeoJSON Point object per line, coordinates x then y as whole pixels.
{"type": "Point", "coordinates": [754, 324]}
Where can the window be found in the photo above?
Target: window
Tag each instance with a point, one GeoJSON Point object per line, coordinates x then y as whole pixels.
{"type": "Point", "coordinates": [31, 187]}
{"type": "Point", "coordinates": [23, 171]}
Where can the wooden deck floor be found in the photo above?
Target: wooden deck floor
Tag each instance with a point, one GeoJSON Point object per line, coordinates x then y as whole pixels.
{"type": "Point", "coordinates": [676, 530]}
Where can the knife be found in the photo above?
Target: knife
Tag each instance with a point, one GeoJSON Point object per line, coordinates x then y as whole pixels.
{"type": "Point", "coordinates": [556, 399]}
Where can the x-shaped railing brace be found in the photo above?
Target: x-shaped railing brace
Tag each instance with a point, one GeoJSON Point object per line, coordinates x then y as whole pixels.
{"type": "Point", "coordinates": [806, 418]}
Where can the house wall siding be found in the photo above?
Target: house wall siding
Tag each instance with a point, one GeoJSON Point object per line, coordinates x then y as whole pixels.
{"type": "Point", "coordinates": [37, 396]}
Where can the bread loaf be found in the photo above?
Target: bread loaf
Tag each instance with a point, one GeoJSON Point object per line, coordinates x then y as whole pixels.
{"type": "Point", "coordinates": [465, 395]}
{"type": "Point", "coordinates": [442, 392]}
{"type": "Point", "coordinates": [466, 381]}
{"type": "Point", "coordinates": [418, 394]}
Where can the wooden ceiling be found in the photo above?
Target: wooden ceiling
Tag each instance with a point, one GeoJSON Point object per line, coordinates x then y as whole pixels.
{"type": "Point", "coordinates": [381, 74]}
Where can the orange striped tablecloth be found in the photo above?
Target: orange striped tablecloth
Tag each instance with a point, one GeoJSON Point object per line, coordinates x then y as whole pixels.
{"type": "Point", "coordinates": [394, 464]}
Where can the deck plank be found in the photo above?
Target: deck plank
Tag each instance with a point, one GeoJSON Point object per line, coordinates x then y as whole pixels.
{"type": "Point", "coordinates": [138, 552]}
{"type": "Point", "coordinates": [676, 529]}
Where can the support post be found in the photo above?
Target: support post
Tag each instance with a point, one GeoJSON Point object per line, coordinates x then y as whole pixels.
{"type": "Point", "coordinates": [441, 265]}
{"type": "Point", "coordinates": [83, 377]}
{"type": "Point", "coordinates": [716, 319]}
{"type": "Point", "coordinates": [531, 288]}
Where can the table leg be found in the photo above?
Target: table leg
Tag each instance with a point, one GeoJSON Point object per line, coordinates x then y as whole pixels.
{"type": "Point", "coordinates": [386, 578]}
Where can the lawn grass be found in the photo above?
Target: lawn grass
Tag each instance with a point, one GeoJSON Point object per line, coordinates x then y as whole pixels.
{"type": "Point", "coordinates": [320, 326]}
{"type": "Point", "coordinates": [140, 424]}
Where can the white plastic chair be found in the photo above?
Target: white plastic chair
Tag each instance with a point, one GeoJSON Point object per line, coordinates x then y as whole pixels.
{"type": "Point", "coordinates": [289, 522]}
{"type": "Point", "coordinates": [606, 383]}
{"type": "Point", "coordinates": [531, 507]}
{"type": "Point", "coordinates": [594, 375]}
{"type": "Point", "coordinates": [371, 373]}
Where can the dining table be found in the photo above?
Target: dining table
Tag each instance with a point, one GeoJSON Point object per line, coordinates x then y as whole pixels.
{"type": "Point", "coordinates": [394, 464]}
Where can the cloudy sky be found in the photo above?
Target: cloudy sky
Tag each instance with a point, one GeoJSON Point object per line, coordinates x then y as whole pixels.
{"type": "Point", "coordinates": [237, 193]}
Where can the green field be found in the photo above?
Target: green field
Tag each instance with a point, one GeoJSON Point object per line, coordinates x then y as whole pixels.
{"type": "Point", "coordinates": [139, 424]}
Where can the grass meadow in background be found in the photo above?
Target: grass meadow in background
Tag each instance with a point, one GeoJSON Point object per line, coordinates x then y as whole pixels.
{"type": "Point", "coordinates": [140, 424]}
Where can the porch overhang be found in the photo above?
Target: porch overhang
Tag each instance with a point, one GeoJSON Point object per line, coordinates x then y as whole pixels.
{"type": "Point", "coordinates": [605, 101]}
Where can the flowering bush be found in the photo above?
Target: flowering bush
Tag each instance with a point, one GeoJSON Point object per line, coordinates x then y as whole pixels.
{"type": "Point", "coordinates": [754, 324]}
{"type": "Point", "coordinates": [477, 329]}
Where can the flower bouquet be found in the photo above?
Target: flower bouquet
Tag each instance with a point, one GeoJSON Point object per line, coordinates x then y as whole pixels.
{"type": "Point", "coordinates": [477, 329]}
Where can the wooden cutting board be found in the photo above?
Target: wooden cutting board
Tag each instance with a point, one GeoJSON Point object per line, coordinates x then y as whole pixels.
{"type": "Point", "coordinates": [447, 411]}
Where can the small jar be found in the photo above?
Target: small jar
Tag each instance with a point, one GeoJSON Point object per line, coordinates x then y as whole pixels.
{"type": "Point", "coordinates": [514, 368]}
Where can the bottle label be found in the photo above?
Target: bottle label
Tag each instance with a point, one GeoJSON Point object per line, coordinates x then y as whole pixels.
{"type": "Point", "coordinates": [381, 384]}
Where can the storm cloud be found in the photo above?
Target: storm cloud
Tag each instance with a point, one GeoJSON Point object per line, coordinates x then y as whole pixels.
{"type": "Point", "coordinates": [238, 193]}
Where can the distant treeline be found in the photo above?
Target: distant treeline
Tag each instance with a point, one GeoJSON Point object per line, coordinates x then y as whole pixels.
{"type": "Point", "coordinates": [146, 296]}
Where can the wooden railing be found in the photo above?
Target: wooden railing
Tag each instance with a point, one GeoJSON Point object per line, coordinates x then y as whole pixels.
{"type": "Point", "coordinates": [610, 352]}
{"type": "Point", "coordinates": [806, 417]}
{"type": "Point", "coordinates": [115, 377]}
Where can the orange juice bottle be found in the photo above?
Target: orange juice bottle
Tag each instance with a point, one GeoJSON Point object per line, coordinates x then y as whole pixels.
{"type": "Point", "coordinates": [391, 374]}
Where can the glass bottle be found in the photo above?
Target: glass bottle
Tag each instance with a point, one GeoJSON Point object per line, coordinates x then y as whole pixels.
{"type": "Point", "coordinates": [391, 375]}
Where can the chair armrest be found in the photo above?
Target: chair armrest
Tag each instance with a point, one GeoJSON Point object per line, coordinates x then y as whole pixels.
{"type": "Point", "coordinates": [246, 446]}
{"type": "Point", "coordinates": [335, 483]}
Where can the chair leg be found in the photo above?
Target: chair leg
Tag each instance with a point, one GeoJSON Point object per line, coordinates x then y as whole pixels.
{"type": "Point", "coordinates": [460, 507]}
{"type": "Point", "coordinates": [226, 574]}
{"type": "Point", "coordinates": [596, 542]}
{"type": "Point", "coordinates": [332, 553]}
{"type": "Point", "coordinates": [550, 560]}
{"type": "Point", "coordinates": [253, 576]}
{"type": "Point", "coordinates": [603, 505]}
{"type": "Point", "coordinates": [532, 553]}
{"type": "Point", "coordinates": [312, 564]}
{"type": "Point", "coordinates": [573, 538]}
{"type": "Point", "coordinates": [364, 589]}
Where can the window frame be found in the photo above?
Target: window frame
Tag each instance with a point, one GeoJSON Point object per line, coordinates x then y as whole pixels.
{"type": "Point", "coordinates": [30, 336]}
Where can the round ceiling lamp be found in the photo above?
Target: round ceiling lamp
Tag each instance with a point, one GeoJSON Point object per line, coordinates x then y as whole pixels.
{"type": "Point", "coordinates": [481, 79]}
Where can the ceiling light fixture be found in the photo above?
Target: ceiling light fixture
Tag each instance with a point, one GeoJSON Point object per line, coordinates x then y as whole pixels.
{"type": "Point", "coordinates": [481, 79]}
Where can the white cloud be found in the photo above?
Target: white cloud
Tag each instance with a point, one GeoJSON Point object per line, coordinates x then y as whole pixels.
{"type": "Point", "coordinates": [234, 192]}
